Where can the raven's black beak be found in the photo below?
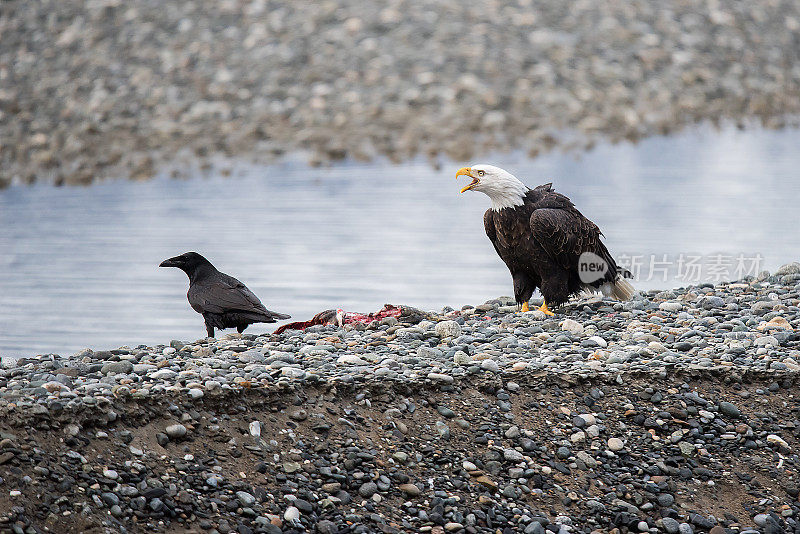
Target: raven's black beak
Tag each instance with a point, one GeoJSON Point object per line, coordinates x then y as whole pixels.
{"type": "Point", "coordinates": [172, 262]}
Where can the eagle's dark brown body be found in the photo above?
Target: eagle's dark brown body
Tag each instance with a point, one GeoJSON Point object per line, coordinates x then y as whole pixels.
{"type": "Point", "coordinates": [541, 242]}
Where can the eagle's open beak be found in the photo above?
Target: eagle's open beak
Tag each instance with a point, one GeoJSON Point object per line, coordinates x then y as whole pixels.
{"type": "Point", "coordinates": [466, 171]}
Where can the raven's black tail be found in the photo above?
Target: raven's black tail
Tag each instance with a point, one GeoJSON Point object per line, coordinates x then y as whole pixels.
{"type": "Point", "coordinates": [278, 316]}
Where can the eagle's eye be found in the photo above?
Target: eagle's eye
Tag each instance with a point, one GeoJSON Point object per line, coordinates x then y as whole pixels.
{"type": "Point", "coordinates": [481, 173]}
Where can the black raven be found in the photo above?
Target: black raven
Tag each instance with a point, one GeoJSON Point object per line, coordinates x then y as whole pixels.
{"type": "Point", "coordinates": [222, 300]}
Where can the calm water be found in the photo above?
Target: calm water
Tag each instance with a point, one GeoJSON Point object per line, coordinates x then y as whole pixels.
{"type": "Point", "coordinates": [79, 267]}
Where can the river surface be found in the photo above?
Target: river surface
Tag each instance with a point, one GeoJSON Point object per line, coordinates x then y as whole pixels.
{"type": "Point", "coordinates": [79, 266]}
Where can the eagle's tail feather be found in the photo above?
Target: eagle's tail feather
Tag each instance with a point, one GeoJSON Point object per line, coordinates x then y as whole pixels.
{"type": "Point", "coordinates": [622, 289]}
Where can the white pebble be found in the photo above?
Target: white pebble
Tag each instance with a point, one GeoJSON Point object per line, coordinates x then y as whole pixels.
{"type": "Point", "coordinates": [577, 437]}
{"type": "Point", "coordinates": [490, 365]}
{"type": "Point", "coordinates": [572, 326]}
{"type": "Point", "coordinates": [670, 306]}
{"type": "Point", "coordinates": [602, 343]}
{"type": "Point", "coordinates": [448, 329]}
{"type": "Point", "coordinates": [777, 440]}
{"type": "Point", "coordinates": [350, 359]}
{"type": "Point", "coordinates": [255, 429]}
{"type": "Point", "coordinates": [588, 418]}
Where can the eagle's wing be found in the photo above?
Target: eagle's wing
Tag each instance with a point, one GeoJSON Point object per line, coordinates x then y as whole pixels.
{"type": "Point", "coordinates": [565, 234]}
{"type": "Point", "coordinates": [507, 235]}
{"type": "Point", "coordinates": [491, 229]}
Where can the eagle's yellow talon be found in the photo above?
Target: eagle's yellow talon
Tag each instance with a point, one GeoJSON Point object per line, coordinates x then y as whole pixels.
{"type": "Point", "coordinates": [525, 308]}
{"type": "Point", "coordinates": [543, 308]}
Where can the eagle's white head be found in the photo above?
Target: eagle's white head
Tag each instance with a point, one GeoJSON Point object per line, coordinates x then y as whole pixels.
{"type": "Point", "coordinates": [502, 187]}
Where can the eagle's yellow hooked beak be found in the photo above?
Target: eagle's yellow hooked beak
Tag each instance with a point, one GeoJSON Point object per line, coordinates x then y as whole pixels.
{"type": "Point", "coordinates": [466, 171]}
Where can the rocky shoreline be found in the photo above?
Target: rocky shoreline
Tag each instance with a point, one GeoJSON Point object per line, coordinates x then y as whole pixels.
{"type": "Point", "coordinates": [108, 89]}
{"type": "Point", "coordinates": [675, 412]}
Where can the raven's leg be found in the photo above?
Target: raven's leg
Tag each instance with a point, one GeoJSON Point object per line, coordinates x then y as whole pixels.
{"type": "Point", "coordinates": [209, 329]}
{"type": "Point", "coordinates": [241, 328]}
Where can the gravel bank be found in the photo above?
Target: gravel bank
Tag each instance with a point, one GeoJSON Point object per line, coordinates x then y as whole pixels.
{"type": "Point", "coordinates": [92, 90]}
{"type": "Point", "coordinates": [675, 412]}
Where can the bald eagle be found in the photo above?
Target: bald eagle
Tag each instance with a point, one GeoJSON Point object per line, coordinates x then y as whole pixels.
{"type": "Point", "coordinates": [544, 240]}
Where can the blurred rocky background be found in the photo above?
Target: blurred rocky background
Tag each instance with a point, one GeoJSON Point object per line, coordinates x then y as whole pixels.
{"type": "Point", "coordinates": [98, 89]}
